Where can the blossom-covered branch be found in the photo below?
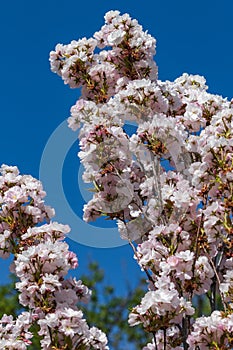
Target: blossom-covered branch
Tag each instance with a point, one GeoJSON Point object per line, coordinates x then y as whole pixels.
{"type": "Point", "coordinates": [169, 185]}
{"type": "Point", "coordinates": [41, 261]}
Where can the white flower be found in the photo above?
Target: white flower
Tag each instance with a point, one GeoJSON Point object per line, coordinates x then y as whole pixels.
{"type": "Point", "coordinates": [116, 37]}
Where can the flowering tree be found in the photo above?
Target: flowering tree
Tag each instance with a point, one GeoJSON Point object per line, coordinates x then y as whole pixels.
{"type": "Point", "coordinates": [41, 261]}
{"type": "Point", "coordinates": [169, 186]}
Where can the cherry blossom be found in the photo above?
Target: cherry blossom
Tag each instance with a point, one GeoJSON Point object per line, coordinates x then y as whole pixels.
{"type": "Point", "coordinates": [168, 185]}
{"type": "Point", "coordinates": [42, 260]}
{"type": "Point", "coordinates": [176, 170]}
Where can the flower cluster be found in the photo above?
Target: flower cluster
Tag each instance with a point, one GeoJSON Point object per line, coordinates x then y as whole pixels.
{"type": "Point", "coordinates": [213, 332]}
{"type": "Point", "coordinates": [128, 55]}
{"type": "Point", "coordinates": [42, 261]}
{"type": "Point", "coordinates": [169, 184]}
{"type": "Point", "coordinates": [21, 206]}
{"type": "Point", "coordinates": [15, 334]}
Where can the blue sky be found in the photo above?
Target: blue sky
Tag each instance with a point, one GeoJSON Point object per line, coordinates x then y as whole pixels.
{"type": "Point", "coordinates": [193, 37]}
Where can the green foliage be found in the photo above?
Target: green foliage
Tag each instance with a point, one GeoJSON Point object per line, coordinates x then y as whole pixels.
{"type": "Point", "coordinates": [36, 338]}
{"type": "Point", "coordinates": [9, 299]}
